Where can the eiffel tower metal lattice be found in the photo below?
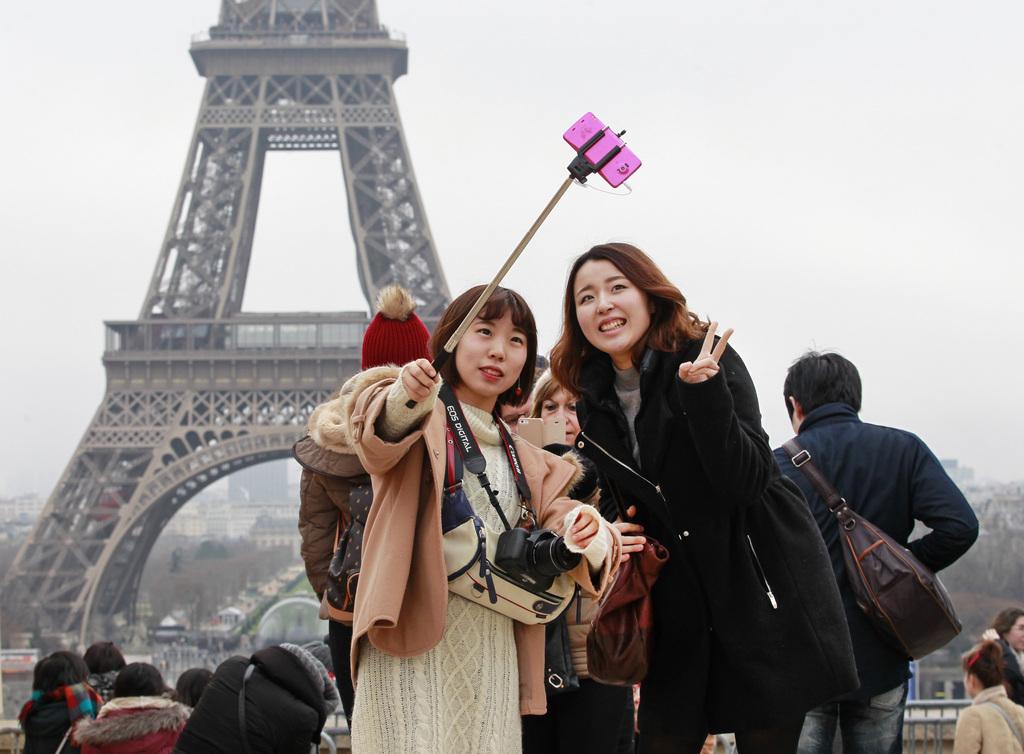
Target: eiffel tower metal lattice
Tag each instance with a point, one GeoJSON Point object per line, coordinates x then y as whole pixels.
{"type": "Point", "coordinates": [196, 389]}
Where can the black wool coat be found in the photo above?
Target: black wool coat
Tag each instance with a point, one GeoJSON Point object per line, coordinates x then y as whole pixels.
{"type": "Point", "coordinates": [1012, 674]}
{"type": "Point", "coordinates": [749, 627]}
{"type": "Point", "coordinates": [283, 708]}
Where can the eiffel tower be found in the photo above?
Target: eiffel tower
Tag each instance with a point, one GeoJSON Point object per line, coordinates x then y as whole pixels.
{"type": "Point", "coordinates": [197, 389]}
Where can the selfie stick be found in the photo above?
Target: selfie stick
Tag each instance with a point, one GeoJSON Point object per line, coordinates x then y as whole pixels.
{"type": "Point", "coordinates": [579, 169]}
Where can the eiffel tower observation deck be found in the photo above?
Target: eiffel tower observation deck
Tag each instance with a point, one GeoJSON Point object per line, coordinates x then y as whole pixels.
{"type": "Point", "coordinates": [197, 389]}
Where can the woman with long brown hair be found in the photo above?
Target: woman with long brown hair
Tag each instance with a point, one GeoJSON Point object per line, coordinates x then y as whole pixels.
{"type": "Point", "coordinates": [1008, 630]}
{"type": "Point", "coordinates": [749, 630]}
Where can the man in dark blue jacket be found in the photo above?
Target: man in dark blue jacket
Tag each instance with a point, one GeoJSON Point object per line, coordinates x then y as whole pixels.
{"type": "Point", "coordinates": [892, 479]}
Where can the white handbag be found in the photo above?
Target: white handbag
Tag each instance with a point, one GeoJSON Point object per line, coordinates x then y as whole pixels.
{"type": "Point", "coordinates": [469, 560]}
{"type": "Point", "coordinates": [469, 546]}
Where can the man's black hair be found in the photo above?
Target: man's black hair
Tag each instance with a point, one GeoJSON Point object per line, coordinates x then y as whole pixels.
{"type": "Point", "coordinates": [104, 656]}
{"type": "Point", "coordinates": [819, 378]}
{"type": "Point", "coordinates": [59, 669]}
{"type": "Point", "coordinates": [139, 679]}
{"type": "Point", "coordinates": [191, 684]}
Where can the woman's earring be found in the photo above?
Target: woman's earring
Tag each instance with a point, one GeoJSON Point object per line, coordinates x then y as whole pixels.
{"type": "Point", "coordinates": [519, 387]}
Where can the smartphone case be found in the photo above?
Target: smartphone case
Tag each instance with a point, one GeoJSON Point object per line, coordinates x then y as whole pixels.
{"type": "Point", "coordinates": [620, 167]}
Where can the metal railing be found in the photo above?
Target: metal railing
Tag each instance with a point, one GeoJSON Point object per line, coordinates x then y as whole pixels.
{"type": "Point", "coordinates": [929, 725]}
{"type": "Point", "coordinates": [11, 740]}
{"type": "Point", "coordinates": [928, 728]}
{"type": "Point", "coordinates": [293, 36]}
{"type": "Point", "coordinates": [243, 334]}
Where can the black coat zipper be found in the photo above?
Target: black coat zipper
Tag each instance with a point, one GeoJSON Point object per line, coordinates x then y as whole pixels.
{"type": "Point", "coordinates": [582, 439]}
{"type": "Point", "coordinates": [760, 572]}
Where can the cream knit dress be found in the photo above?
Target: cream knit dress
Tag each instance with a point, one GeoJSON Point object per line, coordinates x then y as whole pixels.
{"type": "Point", "coordinates": [462, 696]}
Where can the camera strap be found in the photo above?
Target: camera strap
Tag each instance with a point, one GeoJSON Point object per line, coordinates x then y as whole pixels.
{"type": "Point", "coordinates": [460, 436]}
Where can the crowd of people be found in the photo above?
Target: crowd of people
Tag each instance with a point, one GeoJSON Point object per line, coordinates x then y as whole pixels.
{"type": "Point", "coordinates": [277, 702]}
{"type": "Point", "coordinates": [754, 628]}
{"type": "Point", "coordinates": [755, 631]}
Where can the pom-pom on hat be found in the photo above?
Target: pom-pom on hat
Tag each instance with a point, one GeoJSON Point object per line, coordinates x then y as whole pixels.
{"type": "Point", "coordinates": [395, 335]}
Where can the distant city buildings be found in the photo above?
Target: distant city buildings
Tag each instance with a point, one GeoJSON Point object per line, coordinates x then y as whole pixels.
{"type": "Point", "coordinates": [264, 525]}
{"type": "Point", "coordinates": [275, 531]}
{"type": "Point", "coordinates": [962, 475]}
{"type": "Point", "coordinates": [18, 515]}
{"type": "Point", "coordinates": [264, 483]}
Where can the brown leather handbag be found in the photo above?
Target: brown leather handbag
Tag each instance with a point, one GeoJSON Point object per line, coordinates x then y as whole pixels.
{"type": "Point", "coordinates": [902, 598]}
{"type": "Point", "coordinates": [621, 639]}
{"type": "Point", "coordinates": [343, 571]}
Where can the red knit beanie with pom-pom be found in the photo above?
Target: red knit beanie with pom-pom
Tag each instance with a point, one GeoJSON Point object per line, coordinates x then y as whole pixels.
{"type": "Point", "coordinates": [395, 335]}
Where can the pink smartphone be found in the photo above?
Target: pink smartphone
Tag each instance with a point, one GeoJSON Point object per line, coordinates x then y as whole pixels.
{"type": "Point", "coordinates": [616, 170]}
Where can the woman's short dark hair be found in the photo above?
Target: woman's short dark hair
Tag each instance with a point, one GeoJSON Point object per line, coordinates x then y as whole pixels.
{"type": "Point", "coordinates": [104, 656]}
{"type": "Point", "coordinates": [1003, 622]}
{"type": "Point", "coordinates": [139, 679]}
{"type": "Point", "coordinates": [190, 685]}
{"type": "Point", "coordinates": [59, 669]}
{"type": "Point", "coordinates": [985, 661]}
{"type": "Point", "coordinates": [501, 301]}
{"type": "Point", "coordinates": [819, 378]}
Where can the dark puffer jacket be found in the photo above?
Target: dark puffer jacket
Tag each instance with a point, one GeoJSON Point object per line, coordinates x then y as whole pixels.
{"type": "Point", "coordinates": [287, 700]}
{"type": "Point", "coordinates": [749, 628]}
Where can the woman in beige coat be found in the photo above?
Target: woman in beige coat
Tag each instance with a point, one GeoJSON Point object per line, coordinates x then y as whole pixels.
{"type": "Point", "coordinates": [435, 672]}
{"type": "Point", "coordinates": [992, 724]}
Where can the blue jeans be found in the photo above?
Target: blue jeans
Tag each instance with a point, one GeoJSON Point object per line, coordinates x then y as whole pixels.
{"type": "Point", "coordinates": [872, 726]}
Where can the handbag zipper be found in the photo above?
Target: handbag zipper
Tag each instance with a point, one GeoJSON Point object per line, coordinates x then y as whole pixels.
{"type": "Point", "coordinates": [760, 571]}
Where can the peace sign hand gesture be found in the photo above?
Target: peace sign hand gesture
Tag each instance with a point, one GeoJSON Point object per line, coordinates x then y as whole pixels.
{"type": "Point", "coordinates": [706, 365]}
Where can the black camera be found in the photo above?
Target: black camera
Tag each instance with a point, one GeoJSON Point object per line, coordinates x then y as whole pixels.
{"type": "Point", "coordinates": [534, 558]}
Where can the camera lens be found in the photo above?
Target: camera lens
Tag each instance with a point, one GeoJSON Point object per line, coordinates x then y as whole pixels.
{"type": "Point", "coordinates": [551, 555]}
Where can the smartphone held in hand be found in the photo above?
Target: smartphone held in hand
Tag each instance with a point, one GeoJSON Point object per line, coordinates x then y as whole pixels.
{"type": "Point", "coordinates": [539, 432]}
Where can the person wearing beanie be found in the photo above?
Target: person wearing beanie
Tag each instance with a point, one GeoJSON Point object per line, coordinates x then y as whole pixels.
{"type": "Point", "coordinates": [331, 471]}
{"type": "Point", "coordinates": [395, 335]}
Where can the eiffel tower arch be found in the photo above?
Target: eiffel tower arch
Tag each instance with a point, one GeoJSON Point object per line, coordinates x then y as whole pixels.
{"type": "Point", "coordinates": [196, 388]}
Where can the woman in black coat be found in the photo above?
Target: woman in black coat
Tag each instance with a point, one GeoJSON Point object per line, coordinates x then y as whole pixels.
{"type": "Point", "coordinates": [749, 628]}
{"type": "Point", "coordinates": [1008, 630]}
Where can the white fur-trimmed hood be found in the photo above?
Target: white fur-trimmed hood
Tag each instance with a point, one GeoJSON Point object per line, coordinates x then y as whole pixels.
{"type": "Point", "coordinates": [130, 718]}
{"type": "Point", "coordinates": [328, 424]}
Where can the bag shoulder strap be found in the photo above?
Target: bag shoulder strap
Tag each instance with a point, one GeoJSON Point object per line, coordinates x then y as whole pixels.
{"type": "Point", "coordinates": [63, 741]}
{"type": "Point", "coordinates": [453, 463]}
{"type": "Point", "coordinates": [801, 458]}
{"type": "Point", "coordinates": [242, 732]}
{"type": "Point", "coordinates": [1013, 726]}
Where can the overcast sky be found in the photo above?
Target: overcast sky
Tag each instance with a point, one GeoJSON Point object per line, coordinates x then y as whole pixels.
{"type": "Point", "coordinates": [847, 177]}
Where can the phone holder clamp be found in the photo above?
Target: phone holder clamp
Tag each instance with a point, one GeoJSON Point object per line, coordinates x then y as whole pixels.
{"type": "Point", "coordinates": [582, 166]}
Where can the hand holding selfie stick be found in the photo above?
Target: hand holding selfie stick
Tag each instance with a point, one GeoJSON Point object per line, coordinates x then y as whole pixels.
{"type": "Point", "coordinates": [598, 150]}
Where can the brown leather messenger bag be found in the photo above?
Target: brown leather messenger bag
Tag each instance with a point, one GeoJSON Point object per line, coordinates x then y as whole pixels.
{"type": "Point", "coordinates": [902, 598]}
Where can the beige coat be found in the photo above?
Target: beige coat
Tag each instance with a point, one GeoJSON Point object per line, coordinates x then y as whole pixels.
{"type": "Point", "coordinates": [982, 730]}
{"type": "Point", "coordinates": [403, 586]}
